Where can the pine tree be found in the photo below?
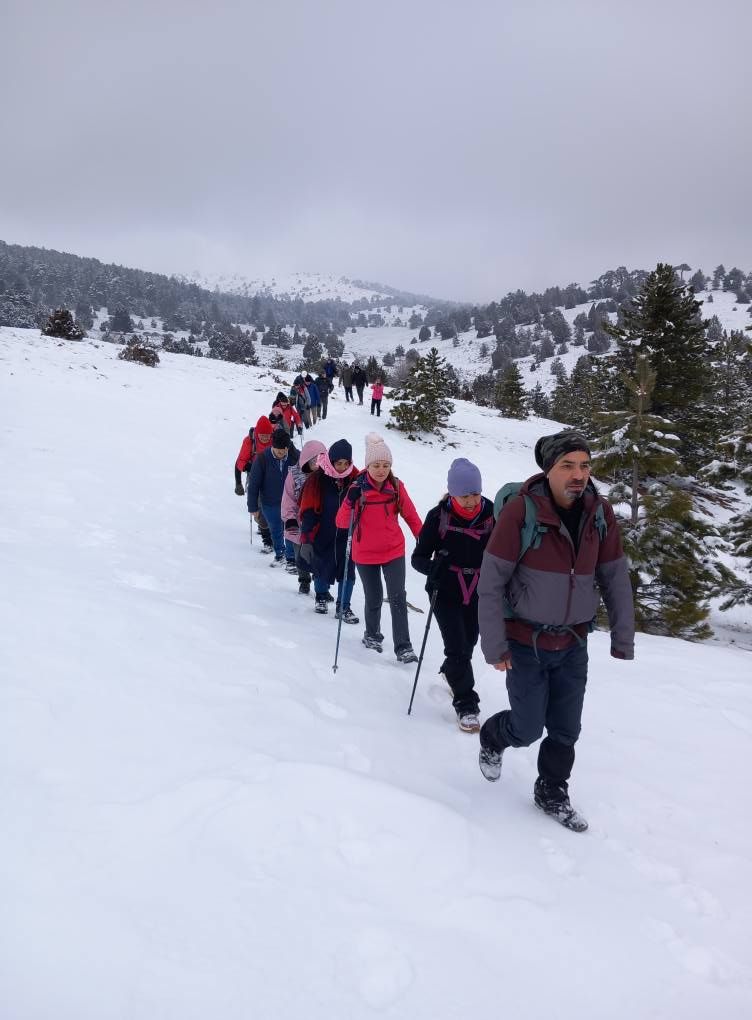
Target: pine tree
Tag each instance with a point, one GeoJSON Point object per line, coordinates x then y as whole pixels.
{"type": "Point", "coordinates": [313, 352]}
{"type": "Point", "coordinates": [121, 321]}
{"type": "Point", "coordinates": [421, 404]}
{"type": "Point", "coordinates": [61, 324]}
{"type": "Point", "coordinates": [509, 395]}
{"type": "Point", "coordinates": [665, 541]}
{"type": "Point", "coordinates": [739, 535]}
{"type": "Point", "coordinates": [539, 402]}
{"type": "Point", "coordinates": [663, 322]}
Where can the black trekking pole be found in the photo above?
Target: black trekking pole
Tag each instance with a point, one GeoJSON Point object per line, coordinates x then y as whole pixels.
{"type": "Point", "coordinates": [423, 647]}
{"type": "Point", "coordinates": [247, 483]}
{"type": "Point", "coordinates": [344, 581]}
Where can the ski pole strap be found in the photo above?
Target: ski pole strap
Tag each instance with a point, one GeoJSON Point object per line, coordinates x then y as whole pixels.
{"type": "Point", "coordinates": [468, 590]}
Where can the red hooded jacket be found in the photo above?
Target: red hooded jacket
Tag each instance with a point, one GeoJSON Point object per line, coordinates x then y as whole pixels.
{"type": "Point", "coordinates": [250, 448]}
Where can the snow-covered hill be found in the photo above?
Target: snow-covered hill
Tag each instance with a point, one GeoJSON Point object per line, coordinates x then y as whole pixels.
{"type": "Point", "coordinates": [304, 286]}
{"type": "Point", "coordinates": [200, 819]}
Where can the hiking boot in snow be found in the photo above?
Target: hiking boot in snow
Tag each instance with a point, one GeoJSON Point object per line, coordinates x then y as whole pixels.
{"type": "Point", "coordinates": [553, 799]}
{"type": "Point", "coordinates": [372, 642]}
{"type": "Point", "coordinates": [489, 761]}
{"type": "Point", "coordinates": [348, 616]}
{"type": "Point", "coordinates": [278, 561]}
{"type": "Point", "coordinates": [407, 655]}
{"type": "Point", "coordinates": [321, 604]}
{"type": "Point", "coordinates": [327, 596]}
{"type": "Point", "coordinates": [291, 567]}
{"type": "Point", "coordinates": [304, 587]}
{"type": "Point", "coordinates": [267, 547]}
{"type": "Point", "coordinates": [468, 721]}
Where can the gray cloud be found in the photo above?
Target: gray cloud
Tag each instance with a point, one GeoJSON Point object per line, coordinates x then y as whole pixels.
{"type": "Point", "coordinates": [459, 149]}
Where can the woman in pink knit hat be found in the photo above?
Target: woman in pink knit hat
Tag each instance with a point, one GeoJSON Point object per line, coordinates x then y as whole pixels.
{"type": "Point", "coordinates": [373, 504]}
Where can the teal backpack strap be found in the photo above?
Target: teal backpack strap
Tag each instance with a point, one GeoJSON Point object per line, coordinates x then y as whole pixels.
{"type": "Point", "coordinates": [531, 532]}
{"type": "Point", "coordinates": [600, 522]}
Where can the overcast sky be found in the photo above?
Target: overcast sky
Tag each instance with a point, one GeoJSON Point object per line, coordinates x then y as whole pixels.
{"type": "Point", "coordinates": [460, 149]}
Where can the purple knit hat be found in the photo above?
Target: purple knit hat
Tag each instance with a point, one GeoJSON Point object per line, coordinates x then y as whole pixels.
{"type": "Point", "coordinates": [463, 478]}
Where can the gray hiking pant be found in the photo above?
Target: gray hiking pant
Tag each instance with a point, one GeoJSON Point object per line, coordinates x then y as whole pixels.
{"type": "Point", "coordinates": [373, 591]}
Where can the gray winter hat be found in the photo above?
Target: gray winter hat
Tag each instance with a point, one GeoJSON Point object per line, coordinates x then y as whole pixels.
{"type": "Point", "coordinates": [549, 449]}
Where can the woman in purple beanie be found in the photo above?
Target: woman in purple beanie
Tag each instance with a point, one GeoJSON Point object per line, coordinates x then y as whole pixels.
{"type": "Point", "coordinates": [455, 534]}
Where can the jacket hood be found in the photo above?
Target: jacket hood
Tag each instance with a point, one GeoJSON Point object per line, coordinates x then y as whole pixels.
{"type": "Point", "coordinates": [264, 426]}
{"type": "Point", "coordinates": [310, 449]}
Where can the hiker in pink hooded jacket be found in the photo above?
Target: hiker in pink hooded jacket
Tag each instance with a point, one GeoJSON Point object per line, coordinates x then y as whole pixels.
{"type": "Point", "coordinates": [290, 508]}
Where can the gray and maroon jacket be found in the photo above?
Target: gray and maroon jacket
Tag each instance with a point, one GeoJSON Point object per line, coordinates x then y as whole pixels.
{"type": "Point", "coordinates": [552, 586]}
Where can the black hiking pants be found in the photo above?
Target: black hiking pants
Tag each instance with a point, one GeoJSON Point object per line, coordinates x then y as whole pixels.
{"type": "Point", "coordinates": [376, 406]}
{"type": "Point", "coordinates": [546, 691]}
{"type": "Point", "coordinates": [459, 629]}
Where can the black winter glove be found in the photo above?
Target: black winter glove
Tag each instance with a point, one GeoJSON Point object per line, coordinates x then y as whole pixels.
{"type": "Point", "coordinates": [239, 490]}
{"type": "Point", "coordinates": [300, 431]}
{"type": "Point", "coordinates": [439, 567]}
{"type": "Point", "coordinates": [353, 495]}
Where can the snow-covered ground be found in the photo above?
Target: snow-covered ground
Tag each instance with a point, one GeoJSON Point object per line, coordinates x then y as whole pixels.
{"type": "Point", "coordinates": [200, 819]}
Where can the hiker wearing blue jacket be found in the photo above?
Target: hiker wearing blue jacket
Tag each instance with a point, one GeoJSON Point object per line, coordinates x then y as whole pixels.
{"type": "Point", "coordinates": [267, 484]}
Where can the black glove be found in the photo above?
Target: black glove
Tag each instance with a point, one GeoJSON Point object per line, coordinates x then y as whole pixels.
{"type": "Point", "coordinates": [439, 567]}
{"type": "Point", "coordinates": [239, 490]}
{"type": "Point", "coordinates": [300, 431]}
{"type": "Point", "coordinates": [291, 525]}
{"type": "Point", "coordinates": [353, 495]}
{"type": "Point", "coordinates": [306, 552]}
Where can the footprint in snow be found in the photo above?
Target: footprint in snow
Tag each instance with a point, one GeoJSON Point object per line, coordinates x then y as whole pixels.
{"type": "Point", "coordinates": [331, 710]}
{"type": "Point", "coordinates": [141, 582]}
{"type": "Point", "coordinates": [558, 861]}
{"type": "Point", "coordinates": [281, 643]}
{"type": "Point", "coordinates": [256, 621]}
{"type": "Point", "coordinates": [384, 972]}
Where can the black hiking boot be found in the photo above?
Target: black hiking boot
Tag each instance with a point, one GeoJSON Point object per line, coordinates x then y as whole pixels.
{"type": "Point", "coordinates": [304, 587]}
{"type": "Point", "coordinates": [553, 799]}
{"type": "Point", "coordinates": [348, 616]}
{"type": "Point", "coordinates": [375, 643]}
{"type": "Point", "coordinates": [322, 606]}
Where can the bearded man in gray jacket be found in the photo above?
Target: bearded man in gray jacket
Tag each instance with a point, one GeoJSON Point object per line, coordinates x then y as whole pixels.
{"type": "Point", "coordinates": [537, 606]}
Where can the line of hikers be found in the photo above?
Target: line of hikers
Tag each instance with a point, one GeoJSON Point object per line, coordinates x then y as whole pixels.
{"type": "Point", "coordinates": [525, 573]}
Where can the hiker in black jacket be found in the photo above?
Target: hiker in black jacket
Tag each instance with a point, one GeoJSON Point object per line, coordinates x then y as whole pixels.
{"type": "Point", "coordinates": [455, 534]}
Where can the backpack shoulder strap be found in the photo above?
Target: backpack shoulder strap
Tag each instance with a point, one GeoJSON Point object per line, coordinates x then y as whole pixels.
{"type": "Point", "coordinates": [443, 522]}
{"type": "Point", "coordinates": [601, 525]}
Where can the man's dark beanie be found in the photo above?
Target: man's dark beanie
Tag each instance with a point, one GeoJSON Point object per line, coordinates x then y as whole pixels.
{"type": "Point", "coordinates": [280, 439]}
{"type": "Point", "coordinates": [341, 450]}
{"type": "Point", "coordinates": [549, 449]}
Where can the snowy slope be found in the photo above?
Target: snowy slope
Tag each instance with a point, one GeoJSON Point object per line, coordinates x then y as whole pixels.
{"type": "Point", "coordinates": [307, 286]}
{"type": "Point", "coordinates": [201, 819]}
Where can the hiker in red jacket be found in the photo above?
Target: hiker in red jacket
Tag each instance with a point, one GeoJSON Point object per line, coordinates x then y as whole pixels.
{"type": "Point", "coordinates": [256, 442]}
{"type": "Point", "coordinates": [373, 505]}
{"type": "Point", "coordinates": [290, 416]}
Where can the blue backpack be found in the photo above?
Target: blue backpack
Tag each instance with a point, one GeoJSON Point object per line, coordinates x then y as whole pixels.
{"type": "Point", "coordinates": [531, 532]}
